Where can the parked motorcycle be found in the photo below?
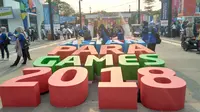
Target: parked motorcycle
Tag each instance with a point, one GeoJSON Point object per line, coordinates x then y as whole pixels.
{"type": "Point", "coordinates": [188, 43]}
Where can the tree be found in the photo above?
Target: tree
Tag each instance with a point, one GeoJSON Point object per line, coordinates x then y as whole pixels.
{"type": "Point", "coordinates": [149, 6]}
{"type": "Point", "coordinates": [64, 8]}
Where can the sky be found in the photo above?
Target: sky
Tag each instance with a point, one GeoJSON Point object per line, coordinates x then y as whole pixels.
{"type": "Point", "coordinates": [109, 5]}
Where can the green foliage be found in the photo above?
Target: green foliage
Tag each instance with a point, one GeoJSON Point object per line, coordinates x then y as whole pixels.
{"type": "Point", "coordinates": [64, 8]}
{"type": "Point", "coordinates": [149, 4]}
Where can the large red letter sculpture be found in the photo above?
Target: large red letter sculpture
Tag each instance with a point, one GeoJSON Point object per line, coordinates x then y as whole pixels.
{"type": "Point", "coordinates": [115, 50]}
{"type": "Point", "coordinates": [154, 70]}
{"type": "Point", "coordinates": [163, 92]}
{"type": "Point", "coordinates": [113, 93]}
{"type": "Point", "coordinates": [84, 51]}
{"type": "Point", "coordinates": [68, 87]}
{"type": "Point", "coordinates": [24, 91]}
{"type": "Point", "coordinates": [62, 51]}
{"type": "Point", "coordinates": [138, 49]}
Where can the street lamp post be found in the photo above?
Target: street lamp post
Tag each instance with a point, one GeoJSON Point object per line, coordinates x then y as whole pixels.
{"type": "Point", "coordinates": [80, 13]}
{"type": "Point", "coordinates": [138, 11]}
{"type": "Point", "coordinates": [51, 19]}
{"type": "Point", "coordinates": [169, 18]}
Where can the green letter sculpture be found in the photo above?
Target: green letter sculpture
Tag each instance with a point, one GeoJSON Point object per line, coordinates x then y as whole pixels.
{"type": "Point", "coordinates": [69, 61]}
{"type": "Point", "coordinates": [151, 60]}
{"type": "Point", "coordinates": [129, 65]}
{"type": "Point", "coordinates": [47, 61]}
{"type": "Point", "coordinates": [94, 64]}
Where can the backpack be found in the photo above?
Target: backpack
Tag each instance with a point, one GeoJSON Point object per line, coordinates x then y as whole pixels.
{"type": "Point", "coordinates": [158, 40]}
{"type": "Point", "coordinates": [7, 40]}
{"type": "Point", "coordinates": [26, 41]}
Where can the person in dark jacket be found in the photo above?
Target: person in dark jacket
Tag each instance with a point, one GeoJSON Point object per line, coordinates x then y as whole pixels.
{"type": "Point", "coordinates": [103, 32]}
{"type": "Point", "coordinates": [21, 47]}
{"type": "Point", "coordinates": [86, 33]}
{"type": "Point", "coordinates": [145, 31]}
{"type": "Point", "coordinates": [148, 35]}
{"type": "Point", "coordinates": [120, 33]}
{"type": "Point", "coordinates": [4, 41]}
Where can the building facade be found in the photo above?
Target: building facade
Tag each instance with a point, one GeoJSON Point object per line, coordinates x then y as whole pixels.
{"type": "Point", "coordinates": [26, 13]}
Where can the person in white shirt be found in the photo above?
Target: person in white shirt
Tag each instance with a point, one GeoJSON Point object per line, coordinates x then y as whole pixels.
{"type": "Point", "coordinates": [173, 30]}
{"type": "Point", "coordinates": [64, 31]}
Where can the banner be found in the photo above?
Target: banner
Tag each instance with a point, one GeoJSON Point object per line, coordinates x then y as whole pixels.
{"type": "Point", "coordinates": [6, 13]}
{"type": "Point", "coordinates": [197, 6]}
{"type": "Point", "coordinates": [46, 14]}
{"type": "Point", "coordinates": [56, 16]}
{"type": "Point", "coordinates": [164, 11]}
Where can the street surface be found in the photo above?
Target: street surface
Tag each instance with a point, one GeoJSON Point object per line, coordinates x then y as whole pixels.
{"type": "Point", "coordinates": [186, 64]}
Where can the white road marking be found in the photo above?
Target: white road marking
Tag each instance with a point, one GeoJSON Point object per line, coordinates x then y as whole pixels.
{"type": "Point", "coordinates": [172, 43]}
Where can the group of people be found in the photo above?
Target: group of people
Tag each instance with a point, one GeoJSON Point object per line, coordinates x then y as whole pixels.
{"type": "Point", "coordinates": [104, 33]}
{"type": "Point", "coordinates": [21, 46]}
{"type": "Point", "coordinates": [32, 33]}
{"type": "Point", "coordinates": [109, 33]}
{"type": "Point", "coordinates": [69, 31]}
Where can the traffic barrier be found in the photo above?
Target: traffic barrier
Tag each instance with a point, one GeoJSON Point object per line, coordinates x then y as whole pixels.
{"type": "Point", "coordinates": [24, 91]}
{"type": "Point", "coordinates": [94, 65]}
{"type": "Point", "coordinates": [84, 51]}
{"type": "Point", "coordinates": [113, 93]}
{"type": "Point", "coordinates": [115, 50]}
{"type": "Point", "coordinates": [68, 87]}
{"type": "Point", "coordinates": [129, 65]}
{"type": "Point", "coordinates": [62, 51]}
{"type": "Point", "coordinates": [47, 61]}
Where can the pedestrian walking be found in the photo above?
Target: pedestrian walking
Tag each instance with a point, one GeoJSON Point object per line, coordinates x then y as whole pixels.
{"type": "Point", "coordinates": [189, 31]}
{"type": "Point", "coordinates": [30, 34]}
{"type": "Point", "coordinates": [4, 41]}
{"type": "Point", "coordinates": [21, 47]}
{"type": "Point", "coordinates": [64, 31]}
{"type": "Point", "coordinates": [198, 40]}
{"type": "Point", "coordinates": [149, 35]}
{"type": "Point", "coordinates": [27, 44]}
{"type": "Point", "coordinates": [173, 30]}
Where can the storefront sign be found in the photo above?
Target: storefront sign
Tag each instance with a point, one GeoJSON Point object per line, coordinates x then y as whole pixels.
{"type": "Point", "coordinates": [6, 13]}
{"type": "Point", "coordinates": [164, 22]}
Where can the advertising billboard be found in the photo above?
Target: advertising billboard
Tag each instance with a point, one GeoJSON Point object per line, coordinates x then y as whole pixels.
{"type": "Point", "coordinates": [6, 13]}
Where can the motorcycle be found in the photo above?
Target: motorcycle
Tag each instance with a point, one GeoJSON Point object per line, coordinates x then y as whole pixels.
{"type": "Point", "coordinates": [188, 43]}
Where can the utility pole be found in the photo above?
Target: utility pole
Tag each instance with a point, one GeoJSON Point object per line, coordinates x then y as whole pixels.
{"type": "Point", "coordinates": [129, 8]}
{"type": "Point", "coordinates": [51, 19]}
{"type": "Point", "coordinates": [169, 17]}
{"type": "Point", "coordinates": [90, 10]}
{"type": "Point", "coordinates": [138, 11]}
{"type": "Point", "coordinates": [80, 13]}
